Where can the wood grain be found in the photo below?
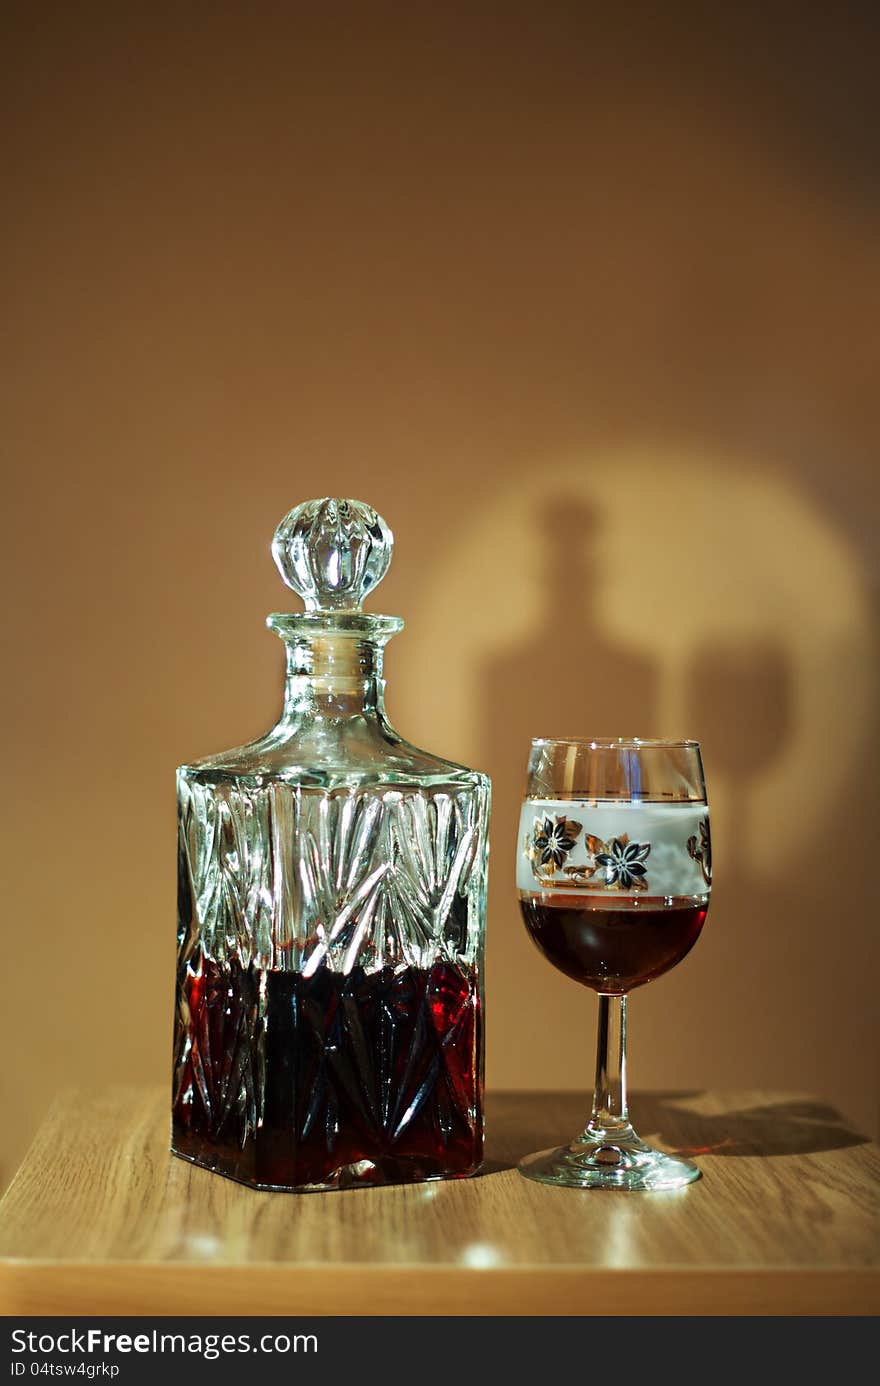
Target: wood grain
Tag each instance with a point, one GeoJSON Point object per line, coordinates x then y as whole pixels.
{"type": "Point", "coordinates": [786, 1220]}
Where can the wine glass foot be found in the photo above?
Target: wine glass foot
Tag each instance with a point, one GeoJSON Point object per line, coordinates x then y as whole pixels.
{"type": "Point", "coordinates": [609, 1163]}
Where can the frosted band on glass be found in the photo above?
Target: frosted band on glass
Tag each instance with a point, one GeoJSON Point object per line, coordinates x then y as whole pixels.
{"type": "Point", "coordinates": [600, 848]}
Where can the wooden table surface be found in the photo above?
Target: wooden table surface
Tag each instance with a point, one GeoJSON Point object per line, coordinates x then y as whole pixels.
{"type": "Point", "coordinates": [786, 1220]}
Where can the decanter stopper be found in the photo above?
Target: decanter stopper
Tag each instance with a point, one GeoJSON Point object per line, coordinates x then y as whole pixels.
{"type": "Point", "coordinates": [332, 552]}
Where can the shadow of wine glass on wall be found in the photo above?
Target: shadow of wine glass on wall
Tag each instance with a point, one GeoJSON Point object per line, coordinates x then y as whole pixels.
{"type": "Point", "coordinates": [739, 693]}
{"type": "Point", "coordinates": [628, 609]}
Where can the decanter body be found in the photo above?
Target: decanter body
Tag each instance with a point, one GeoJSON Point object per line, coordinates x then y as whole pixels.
{"type": "Point", "coordinates": [332, 878]}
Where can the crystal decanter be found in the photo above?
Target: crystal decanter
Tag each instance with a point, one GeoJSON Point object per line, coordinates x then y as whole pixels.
{"type": "Point", "coordinates": [332, 882]}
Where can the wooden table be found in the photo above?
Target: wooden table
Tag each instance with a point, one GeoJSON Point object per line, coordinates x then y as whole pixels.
{"type": "Point", "coordinates": [786, 1220]}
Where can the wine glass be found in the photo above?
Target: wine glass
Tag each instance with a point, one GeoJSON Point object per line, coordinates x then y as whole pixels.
{"type": "Point", "coordinates": [613, 873]}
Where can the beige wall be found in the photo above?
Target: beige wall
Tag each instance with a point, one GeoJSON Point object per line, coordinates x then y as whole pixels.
{"type": "Point", "coordinates": [590, 314]}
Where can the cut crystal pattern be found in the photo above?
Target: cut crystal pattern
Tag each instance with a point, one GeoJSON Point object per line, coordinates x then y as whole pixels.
{"type": "Point", "coordinates": [328, 998]}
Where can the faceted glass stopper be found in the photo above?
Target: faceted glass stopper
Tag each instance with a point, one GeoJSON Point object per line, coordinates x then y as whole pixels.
{"type": "Point", "coordinates": [332, 552]}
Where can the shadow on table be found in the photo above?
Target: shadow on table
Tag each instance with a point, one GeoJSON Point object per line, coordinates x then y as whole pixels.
{"type": "Point", "coordinates": [518, 1124]}
{"type": "Point", "coordinates": [797, 1126]}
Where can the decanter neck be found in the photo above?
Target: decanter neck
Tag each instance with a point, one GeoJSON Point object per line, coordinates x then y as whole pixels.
{"type": "Point", "coordinates": [334, 666]}
{"type": "Point", "coordinates": [333, 678]}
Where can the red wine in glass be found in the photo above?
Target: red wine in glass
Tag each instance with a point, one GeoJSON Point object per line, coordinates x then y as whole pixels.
{"type": "Point", "coordinates": [612, 945]}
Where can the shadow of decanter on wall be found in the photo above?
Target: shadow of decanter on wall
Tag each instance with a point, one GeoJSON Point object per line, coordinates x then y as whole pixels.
{"type": "Point", "coordinates": [565, 677]}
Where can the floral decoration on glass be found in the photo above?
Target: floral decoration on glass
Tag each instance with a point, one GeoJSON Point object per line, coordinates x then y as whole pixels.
{"type": "Point", "coordinates": [618, 864]}
{"type": "Point", "coordinates": [702, 851]}
{"type": "Point", "coordinates": [550, 844]}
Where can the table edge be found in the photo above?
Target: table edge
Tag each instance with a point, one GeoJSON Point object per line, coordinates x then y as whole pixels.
{"type": "Point", "coordinates": [320, 1290]}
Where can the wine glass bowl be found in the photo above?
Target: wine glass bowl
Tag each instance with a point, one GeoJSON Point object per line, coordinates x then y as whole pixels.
{"type": "Point", "coordinates": [613, 875]}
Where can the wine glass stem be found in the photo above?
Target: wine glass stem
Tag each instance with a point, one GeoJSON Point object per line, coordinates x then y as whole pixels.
{"type": "Point", "coordinates": [610, 1117]}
